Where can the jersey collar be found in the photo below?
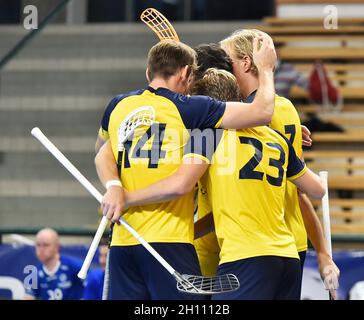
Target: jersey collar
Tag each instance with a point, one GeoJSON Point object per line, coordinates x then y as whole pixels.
{"type": "Point", "coordinates": [250, 98]}
{"type": "Point", "coordinates": [52, 272]}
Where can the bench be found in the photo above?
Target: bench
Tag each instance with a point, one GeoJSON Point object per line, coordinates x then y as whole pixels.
{"type": "Point", "coordinates": [352, 137]}
{"type": "Point", "coordinates": [323, 53]}
{"type": "Point", "coordinates": [308, 30]}
{"type": "Point", "coordinates": [313, 108]}
{"type": "Point", "coordinates": [344, 161]}
{"type": "Point", "coordinates": [334, 67]}
{"type": "Point", "coordinates": [346, 91]}
{"type": "Point", "coordinates": [278, 21]}
{"type": "Point", "coordinates": [346, 215]}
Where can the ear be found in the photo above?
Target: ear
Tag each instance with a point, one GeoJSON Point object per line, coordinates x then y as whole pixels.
{"type": "Point", "coordinates": [184, 73]}
{"type": "Point", "coordinates": [245, 64]}
{"type": "Point", "coordinates": [147, 74]}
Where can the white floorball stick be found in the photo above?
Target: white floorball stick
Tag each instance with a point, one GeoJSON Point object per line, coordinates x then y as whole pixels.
{"type": "Point", "coordinates": [186, 283]}
{"type": "Point", "coordinates": [326, 211]}
{"type": "Point", "coordinates": [326, 215]}
{"type": "Point", "coordinates": [143, 116]}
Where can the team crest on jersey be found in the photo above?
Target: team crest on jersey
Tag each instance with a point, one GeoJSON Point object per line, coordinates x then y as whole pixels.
{"type": "Point", "coordinates": [63, 277]}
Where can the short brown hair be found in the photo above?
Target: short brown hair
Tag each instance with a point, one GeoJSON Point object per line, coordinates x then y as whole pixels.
{"type": "Point", "coordinates": [219, 84]}
{"type": "Point", "coordinates": [168, 56]}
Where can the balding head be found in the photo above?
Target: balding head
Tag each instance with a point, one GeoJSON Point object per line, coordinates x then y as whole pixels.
{"type": "Point", "coordinates": [47, 244]}
{"type": "Point", "coordinates": [49, 235]}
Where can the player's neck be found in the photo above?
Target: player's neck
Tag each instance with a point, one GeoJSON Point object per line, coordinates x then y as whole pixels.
{"type": "Point", "coordinates": [248, 85]}
{"type": "Point", "coordinates": [52, 264]}
{"type": "Point", "coordinates": [170, 83]}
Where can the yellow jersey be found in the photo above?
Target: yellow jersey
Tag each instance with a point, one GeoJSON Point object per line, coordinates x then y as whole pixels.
{"type": "Point", "coordinates": [246, 183]}
{"type": "Point", "coordinates": [154, 153]}
{"type": "Point", "coordinates": [287, 121]}
{"type": "Point", "coordinates": [207, 247]}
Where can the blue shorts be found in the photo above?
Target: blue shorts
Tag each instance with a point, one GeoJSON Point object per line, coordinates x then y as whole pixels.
{"type": "Point", "coordinates": [136, 275]}
{"type": "Point", "coordinates": [302, 255]}
{"type": "Point", "coordinates": [263, 278]}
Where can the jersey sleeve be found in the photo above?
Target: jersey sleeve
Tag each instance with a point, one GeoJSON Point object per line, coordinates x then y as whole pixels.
{"type": "Point", "coordinates": [104, 129]}
{"type": "Point", "coordinates": [200, 112]}
{"type": "Point", "coordinates": [296, 167]}
{"type": "Point", "coordinates": [203, 143]}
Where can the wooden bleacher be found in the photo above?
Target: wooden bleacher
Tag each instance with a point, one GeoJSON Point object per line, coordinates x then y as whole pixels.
{"type": "Point", "coordinates": [301, 42]}
{"type": "Point", "coordinates": [278, 21]}
{"type": "Point", "coordinates": [309, 30]}
{"type": "Point", "coordinates": [321, 53]}
{"type": "Point", "coordinates": [346, 92]}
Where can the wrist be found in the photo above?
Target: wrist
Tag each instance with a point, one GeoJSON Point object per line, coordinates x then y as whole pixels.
{"type": "Point", "coordinates": [323, 256]}
{"type": "Point", "coordinates": [111, 183]}
{"type": "Point", "coordinates": [265, 72]}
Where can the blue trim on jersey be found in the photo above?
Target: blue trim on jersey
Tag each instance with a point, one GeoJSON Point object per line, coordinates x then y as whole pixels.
{"type": "Point", "coordinates": [113, 103]}
{"type": "Point", "coordinates": [196, 111]}
{"type": "Point", "coordinates": [250, 98]}
{"type": "Point", "coordinates": [295, 164]}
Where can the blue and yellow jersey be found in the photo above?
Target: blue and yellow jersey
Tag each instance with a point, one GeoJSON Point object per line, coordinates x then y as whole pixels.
{"type": "Point", "coordinates": [154, 153]}
{"type": "Point", "coordinates": [246, 183]}
{"type": "Point", "coordinates": [287, 121]}
{"type": "Point", "coordinates": [207, 247]}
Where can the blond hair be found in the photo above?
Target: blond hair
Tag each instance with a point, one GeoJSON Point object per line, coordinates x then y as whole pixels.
{"type": "Point", "coordinates": [168, 56]}
{"type": "Point", "coordinates": [219, 84]}
{"type": "Point", "coordinates": [240, 44]}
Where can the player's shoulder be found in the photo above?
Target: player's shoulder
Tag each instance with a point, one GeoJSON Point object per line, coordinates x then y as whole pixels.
{"type": "Point", "coordinates": [281, 101]}
{"type": "Point", "coordinates": [121, 96]}
{"type": "Point", "coordinates": [285, 110]}
{"type": "Point", "coordinates": [69, 263]}
{"type": "Point", "coordinates": [181, 99]}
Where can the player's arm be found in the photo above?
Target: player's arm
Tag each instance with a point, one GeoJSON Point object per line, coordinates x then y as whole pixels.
{"type": "Point", "coordinates": [246, 115]}
{"type": "Point", "coordinates": [103, 134]}
{"type": "Point", "coordinates": [113, 201]}
{"type": "Point", "coordinates": [310, 183]}
{"type": "Point", "coordinates": [178, 184]}
{"type": "Point", "coordinates": [99, 143]}
{"type": "Point", "coordinates": [306, 180]}
{"type": "Point", "coordinates": [328, 270]}
{"type": "Point", "coordinates": [204, 226]}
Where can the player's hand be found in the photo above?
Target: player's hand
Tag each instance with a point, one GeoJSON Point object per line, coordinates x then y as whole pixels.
{"type": "Point", "coordinates": [113, 203]}
{"type": "Point", "coordinates": [264, 53]}
{"type": "Point", "coordinates": [330, 274]}
{"type": "Point", "coordinates": [306, 137]}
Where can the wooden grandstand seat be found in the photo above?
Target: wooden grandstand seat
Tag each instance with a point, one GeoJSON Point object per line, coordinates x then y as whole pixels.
{"type": "Point", "coordinates": [279, 21]}
{"type": "Point", "coordinates": [309, 30]}
{"type": "Point", "coordinates": [347, 92]}
{"type": "Point", "coordinates": [334, 67]}
{"type": "Point", "coordinates": [312, 108]}
{"type": "Point", "coordinates": [347, 215]}
{"type": "Point", "coordinates": [322, 53]}
{"type": "Point", "coordinates": [339, 137]}
{"type": "Point", "coordinates": [342, 40]}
